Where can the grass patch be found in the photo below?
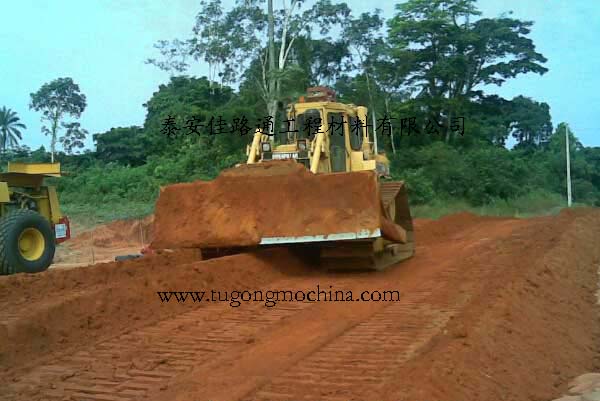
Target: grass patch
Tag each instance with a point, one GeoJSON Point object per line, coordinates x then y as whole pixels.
{"type": "Point", "coordinates": [536, 203]}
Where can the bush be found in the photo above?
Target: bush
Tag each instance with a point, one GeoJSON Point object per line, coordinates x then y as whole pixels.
{"type": "Point", "coordinates": [479, 175]}
{"type": "Point", "coordinates": [419, 186]}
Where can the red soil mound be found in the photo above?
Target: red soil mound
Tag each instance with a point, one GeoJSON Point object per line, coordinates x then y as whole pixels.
{"type": "Point", "coordinates": [120, 233]}
{"type": "Point", "coordinates": [247, 203]}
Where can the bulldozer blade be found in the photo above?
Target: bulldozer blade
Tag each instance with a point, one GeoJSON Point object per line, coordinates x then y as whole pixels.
{"type": "Point", "coordinates": [321, 238]}
{"type": "Point", "coordinates": [278, 202]}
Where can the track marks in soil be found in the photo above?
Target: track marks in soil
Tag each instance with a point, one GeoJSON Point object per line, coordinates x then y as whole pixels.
{"type": "Point", "coordinates": [133, 364]}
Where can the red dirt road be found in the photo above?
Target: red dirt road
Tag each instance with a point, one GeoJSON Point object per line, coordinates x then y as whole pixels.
{"type": "Point", "coordinates": [490, 309]}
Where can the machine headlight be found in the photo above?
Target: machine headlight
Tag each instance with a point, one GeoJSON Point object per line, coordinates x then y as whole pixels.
{"type": "Point", "coordinates": [266, 146]}
{"type": "Point", "coordinates": [302, 144]}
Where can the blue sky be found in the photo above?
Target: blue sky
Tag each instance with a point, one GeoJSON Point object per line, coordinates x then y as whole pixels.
{"type": "Point", "coordinates": [102, 45]}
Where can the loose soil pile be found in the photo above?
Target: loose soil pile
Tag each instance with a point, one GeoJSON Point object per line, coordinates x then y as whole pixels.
{"type": "Point", "coordinates": [117, 234]}
{"type": "Point", "coordinates": [275, 199]}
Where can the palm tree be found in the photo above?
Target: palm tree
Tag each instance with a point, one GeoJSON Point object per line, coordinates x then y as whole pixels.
{"type": "Point", "coordinates": [10, 129]}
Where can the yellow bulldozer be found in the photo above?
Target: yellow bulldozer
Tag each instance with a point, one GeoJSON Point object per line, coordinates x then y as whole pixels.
{"type": "Point", "coordinates": [326, 190]}
{"type": "Point", "coordinates": [31, 223]}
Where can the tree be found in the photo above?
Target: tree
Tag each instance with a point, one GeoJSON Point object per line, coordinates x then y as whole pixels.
{"type": "Point", "coordinates": [125, 145]}
{"type": "Point", "coordinates": [191, 103]}
{"type": "Point", "coordinates": [532, 124]}
{"type": "Point", "coordinates": [322, 61]}
{"type": "Point", "coordinates": [584, 167]}
{"type": "Point", "coordinates": [363, 37]}
{"type": "Point", "coordinates": [389, 78]}
{"type": "Point", "coordinates": [210, 42]}
{"type": "Point", "coordinates": [73, 138]}
{"type": "Point", "coordinates": [174, 54]}
{"type": "Point", "coordinates": [10, 129]}
{"type": "Point", "coordinates": [56, 100]}
{"type": "Point", "coordinates": [231, 42]}
{"type": "Point", "coordinates": [448, 54]}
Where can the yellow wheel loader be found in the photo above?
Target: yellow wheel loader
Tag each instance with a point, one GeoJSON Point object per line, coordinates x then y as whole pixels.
{"type": "Point", "coordinates": [325, 190]}
{"type": "Point", "coordinates": [31, 223]}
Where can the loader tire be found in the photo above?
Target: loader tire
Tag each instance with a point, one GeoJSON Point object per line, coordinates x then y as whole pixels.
{"type": "Point", "coordinates": [27, 242]}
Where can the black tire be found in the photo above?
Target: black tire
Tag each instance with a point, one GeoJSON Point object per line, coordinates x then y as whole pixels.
{"type": "Point", "coordinates": [11, 227]}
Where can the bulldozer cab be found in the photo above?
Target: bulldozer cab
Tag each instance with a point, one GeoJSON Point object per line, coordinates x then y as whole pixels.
{"type": "Point", "coordinates": [324, 135]}
{"type": "Point", "coordinates": [331, 121]}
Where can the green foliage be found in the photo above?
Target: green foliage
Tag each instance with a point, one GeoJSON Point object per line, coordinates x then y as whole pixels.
{"type": "Point", "coordinates": [485, 174]}
{"type": "Point", "coordinates": [532, 122]}
{"type": "Point", "coordinates": [418, 183]}
{"type": "Point", "coordinates": [182, 99]}
{"type": "Point", "coordinates": [84, 215]}
{"type": "Point", "coordinates": [10, 129]}
{"type": "Point", "coordinates": [56, 100]}
{"type": "Point", "coordinates": [174, 54]}
{"type": "Point", "coordinates": [125, 146]}
{"type": "Point", "coordinates": [229, 41]}
{"type": "Point", "coordinates": [73, 138]}
{"type": "Point", "coordinates": [108, 183]}
{"type": "Point", "coordinates": [447, 52]}
{"type": "Point", "coordinates": [322, 61]}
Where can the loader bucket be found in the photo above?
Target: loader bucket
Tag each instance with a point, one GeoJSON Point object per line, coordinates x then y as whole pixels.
{"type": "Point", "coordinates": [278, 202]}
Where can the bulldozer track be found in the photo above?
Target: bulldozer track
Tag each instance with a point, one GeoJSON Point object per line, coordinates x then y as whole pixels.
{"type": "Point", "coordinates": [389, 190]}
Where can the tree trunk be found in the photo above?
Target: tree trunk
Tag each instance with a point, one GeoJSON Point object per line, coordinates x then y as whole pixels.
{"type": "Point", "coordinates": [387, 112]}
{"type": "Point", "coordinates": [3, 139]}
{"type": "Point", "coordinates": [375, 147]}
{"type": "Point", "coordinates": [53, 139]}
{"type": "Point", "coordinates": [272, 104]}
{"type": "Point", "coordinates": [448, 127]}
